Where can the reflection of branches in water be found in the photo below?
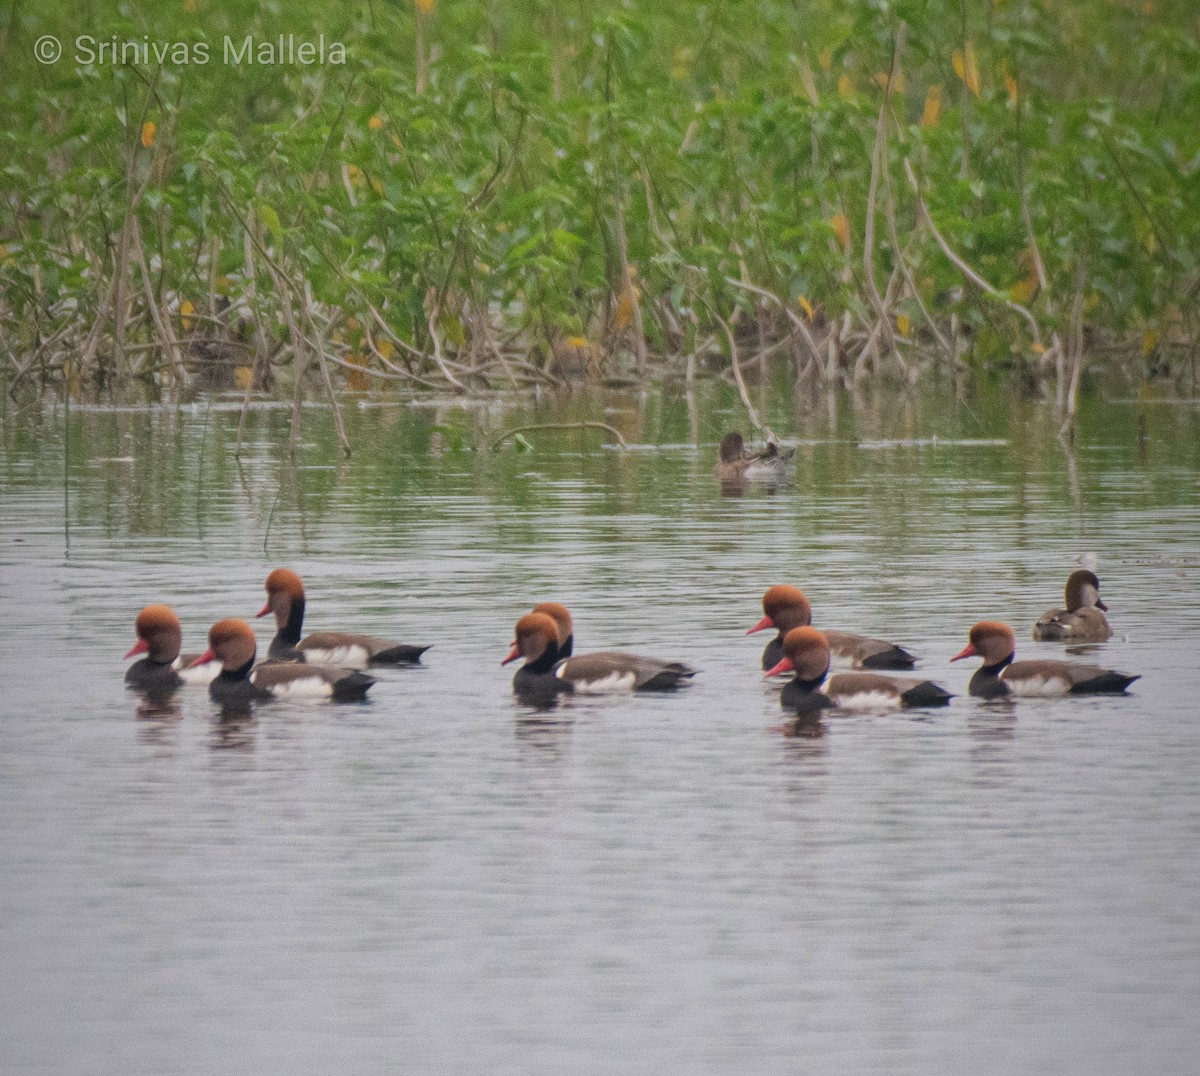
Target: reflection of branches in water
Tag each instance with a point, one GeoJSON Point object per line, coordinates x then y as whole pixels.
{"type": "Point", "coordinates": [199, 469]}
{"type": "Point", "coordinates": [1068, 445]}
{"type": "Point", "coordinates": [67, 474]}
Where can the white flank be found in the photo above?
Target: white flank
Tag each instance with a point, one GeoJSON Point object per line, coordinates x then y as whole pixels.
{"type": "Point", "coordinates": [867, 700]}
{"type": "Point", "coordinates": [341, 657]}
{"type": "Point", "coordinates": [1032, 687]}
{"type": "Point", "coordinates": [766, 469]}
{"type": "Point", "coordinates": [303, 687]}
{"type": "Point", "coordinates": [609, 685]}
{"type": "Point", "coordinates": [200, 675]}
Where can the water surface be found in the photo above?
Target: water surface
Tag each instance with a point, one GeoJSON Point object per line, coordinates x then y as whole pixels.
{"type": "Point", "coordinates": [442, 880]}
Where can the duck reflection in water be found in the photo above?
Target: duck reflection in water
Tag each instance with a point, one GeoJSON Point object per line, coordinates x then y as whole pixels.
{"type": "Point", "coordinates": [234, 728]}
{"type": "Point", "coordinates": [805, 726]}
{"type": "Point", "coordinates": [737, 487]}
{"type": "Point", "coordinates": [163, 707]}
{"type": "Point", "coordinates": [159, 717]}
{"type": "Point", "coordinates": [547, 732]}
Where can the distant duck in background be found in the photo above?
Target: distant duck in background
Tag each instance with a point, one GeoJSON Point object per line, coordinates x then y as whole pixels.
{"type": "Point", "coordinates": [786, 607]}
{"type": "Point", "coordinates": [163, 669]}
{"type": "Point", "coordinates": [1083, 620]}
{"type": "Point", "coordinates": [1000, 675]}
{"type": "Point", "coordinates": [806, 652]}
{"type": "Point", "coordinates": [285, 598]}
{"type": "Point", "coordinates": [231, 643]}
{"type": "Point", "coordinates": [737, 462]}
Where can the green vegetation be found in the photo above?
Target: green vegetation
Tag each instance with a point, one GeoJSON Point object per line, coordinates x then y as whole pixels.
{"type": "Point", "coordinates": [495, 194]}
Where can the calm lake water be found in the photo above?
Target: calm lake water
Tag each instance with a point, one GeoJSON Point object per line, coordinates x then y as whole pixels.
{"type": "Point", "coordinates": [443, 881]}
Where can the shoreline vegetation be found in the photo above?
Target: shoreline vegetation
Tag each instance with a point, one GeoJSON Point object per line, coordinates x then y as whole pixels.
{"type": "Point", "coordinates": [487, 196]}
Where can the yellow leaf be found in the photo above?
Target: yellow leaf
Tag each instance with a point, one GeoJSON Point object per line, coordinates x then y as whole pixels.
{"type": "Point", "coordinates": [626, 304]}
{"type": "Point", "coordinates": [577, 341]}
{"type": "Point", "coordinates": [148, 132]}
{"type": "Point", "coordinates": [933, 105]}
{"type": "Point", "coordinates": [386, 349]}
{"type": "Point", "coordinates": [1149, 8]}
{"type": "Point", "coordinates": [973, 83]}
{"type": "Point", "coordinates": [805, 305]}
{"type": "Point", "coordinates": [1149, 341]}
{"type": "Point", "coordinates": [425, 7]}
{"type": "Point", "coordinates": [186, 310]}
{"type": "Point", "coordinates": [356, 381]}
{"type": "Point", "coordinates": [841, 228]}
{"type": "Point", "coordinates": [881, 79]}
{"type": "Point", "coordinates": [1024, 290]}
{"type": "Point", "coordinates": [189, 5]}
{"type": "Point", "coordinates": [375, 122]}
{"type": "Point", "coordinates": [243, 377]}
{"type": "Point", "coordinates": [1010, 84]}
{"type": "Point", "coordinates": [903, 324]}
{"type": "Point", "coordinates": [966, 68]}
{"type": "Point", "coordinates": [376, 185]}
{"type": "Point", "coordinates": [356, 175]}
{"type": "Point", "coordinates": [1038, 349]}
{"type": "Point", "coordinates": [845, 86]}
{"type": "Point", "coordinates": [826, 59]}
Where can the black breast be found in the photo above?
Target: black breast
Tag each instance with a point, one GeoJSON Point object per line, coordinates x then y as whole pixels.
{"type": "Point", "coordinates": [773, 654]}
{"type": "Point", "coordinates": [157, 676]}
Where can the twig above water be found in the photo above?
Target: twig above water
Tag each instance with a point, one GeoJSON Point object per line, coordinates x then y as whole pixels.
{"type": "Point", "coordinates": [559, 426]}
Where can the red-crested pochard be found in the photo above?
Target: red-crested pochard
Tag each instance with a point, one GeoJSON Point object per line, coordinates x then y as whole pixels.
{"type": "Point", "coordinates": [546, 672]}
{"type": "Point", "coordinates": [232, 643]}
{"type": "Point", "coordinates": [735, 461]}
{"type": "Point", "coordinates": [163, 668]}
{"type": "Point", "coordinates": [1083, 620]}
{"type": "Point", "coordinates": [285, 598]}
{"type": "Point", "coordinates": [1000, 675]}
{"type": "Point", "coordinates": [562, 619]}
{"type": "Point", "coordinates": [806, 651]}
{"type": "Point", "coordinates": [786, 607]}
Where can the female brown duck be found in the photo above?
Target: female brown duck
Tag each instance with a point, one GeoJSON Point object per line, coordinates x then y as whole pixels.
{"type": "Point", "coordinates": [1083, 620]}
{"type": "Point", "coordinates": [736, 462]}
